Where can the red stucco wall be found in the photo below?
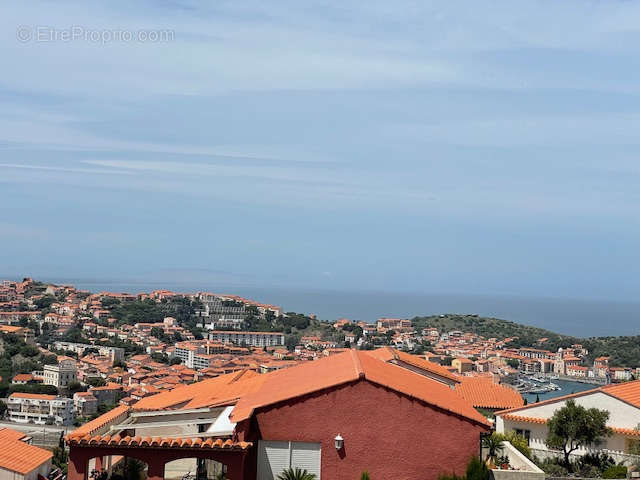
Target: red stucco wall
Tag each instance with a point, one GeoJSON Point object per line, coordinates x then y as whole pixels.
{"type": "Point", "coordinates": [390, 435]}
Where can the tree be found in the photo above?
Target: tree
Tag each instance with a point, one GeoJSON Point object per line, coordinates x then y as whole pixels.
{"type": "Point", "coordinates": [296, 474]}
{"type": "Point", "coordinates": [574, 426]}
{"type": "Point", "coordinates": [74, 387]}
{"type": "Point", "coordinates": [513, 363]}
{"type": "Point", "coordinates": [493, 443]}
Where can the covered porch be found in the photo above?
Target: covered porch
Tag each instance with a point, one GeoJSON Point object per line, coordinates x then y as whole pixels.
{"type": "Point", "coordinates": [155, 453]}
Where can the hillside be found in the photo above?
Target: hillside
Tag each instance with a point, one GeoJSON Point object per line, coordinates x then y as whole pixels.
{"type": "Point", "coordinates": [624, 351]}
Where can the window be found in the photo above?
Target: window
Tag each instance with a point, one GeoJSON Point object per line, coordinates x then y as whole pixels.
{"type": "Point", "coordinates": [274, 457]}
{"type": "Point", "coordinates": [524, 433]}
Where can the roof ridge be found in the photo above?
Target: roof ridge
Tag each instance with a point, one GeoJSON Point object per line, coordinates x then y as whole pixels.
{"type": "Point", "coordinates": [357, 363]}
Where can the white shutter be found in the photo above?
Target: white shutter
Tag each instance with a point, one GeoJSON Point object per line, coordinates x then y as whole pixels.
{"type": "Point", "coordinates": [273, 458]}
{"type": "Point", "coordinates": [306, 456]}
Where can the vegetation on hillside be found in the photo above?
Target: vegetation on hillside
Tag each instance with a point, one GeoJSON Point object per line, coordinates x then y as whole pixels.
{"type": "Point", "coordinates": [623, 350]}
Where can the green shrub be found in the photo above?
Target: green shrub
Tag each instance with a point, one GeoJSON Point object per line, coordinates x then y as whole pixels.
{"type": "Point", "coordinates": [365, 476]}
{"type": "Point", "coordinates": [477, 470]}
{"type": "Point", "coordinates": [615, 471]}
{"type": "Point", "coordinates": [552, 468]}
{"type": "Point", "coordinates": [519, 442]}
{"type": "Point", "coordinates": [601, 461]}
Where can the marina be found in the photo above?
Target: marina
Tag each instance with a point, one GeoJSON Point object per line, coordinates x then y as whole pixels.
{"type": "Point", "coordinates": [537, 388]}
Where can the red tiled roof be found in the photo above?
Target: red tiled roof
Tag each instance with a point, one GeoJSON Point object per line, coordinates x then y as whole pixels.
{"type": "Point", "coordinates": [629, 432]}
{"type": "Point", "coordinates": [137, 441]}
{"type": "Point", "coordinates": [481, 392]}
{"type": "Point", "coordinates": [19, 456]}
{"type": "Point", "coordinates": [33, 396]}
{"type": "Point", "coordinates": [348, 367]}
{"type": "Point", "coordinates": [388, 354]}
{"type": "Point", "coordinates": [627, 392]}
{"type": "Point", "coordinates": [96, 424]}
{"type": "Point", "coordinates": [225, 388]}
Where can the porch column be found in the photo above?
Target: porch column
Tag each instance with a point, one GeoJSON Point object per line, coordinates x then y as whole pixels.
{"type": "Point", "coordinates": [155, 469]}
{"type": "Point", "coordinates": [78, 463]}
{"type": "Point", "coordinates": [99, 464]}
{"type": "Point", "coordinates": [235, 468]}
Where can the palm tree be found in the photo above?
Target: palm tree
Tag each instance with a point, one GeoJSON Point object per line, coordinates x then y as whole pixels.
{"type": "Point", "coordinates": [297, 474]}
{"type": "Point", "coordinates": [493, 443]}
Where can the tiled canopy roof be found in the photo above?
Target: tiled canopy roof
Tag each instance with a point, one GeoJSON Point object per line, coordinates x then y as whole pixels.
{"type": "Point", "coordinates": [157, 442]}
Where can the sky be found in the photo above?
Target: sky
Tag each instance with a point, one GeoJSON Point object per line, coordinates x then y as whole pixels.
{"type": "Point", "coordinates": [453, 146]}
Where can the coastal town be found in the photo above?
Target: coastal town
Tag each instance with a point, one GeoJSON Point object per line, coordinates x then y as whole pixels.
{"type": "Point", "coordinates": [111, 362]}
{"type": "Point", "coordinates": [77, 356]}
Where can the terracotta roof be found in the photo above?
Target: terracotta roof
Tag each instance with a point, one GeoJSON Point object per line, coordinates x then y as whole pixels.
{"type": "Point", "coordinates": [215, 391]}
{"type": "Point", "coordinates": [388, 354]}
{"type": "Point", "coordinates": [33, 396]}
{"type": "Point", "coordinates": [347, 367]}
{"type": "Point", "coordinates": [481, 392]}
{"type": "Point", "coordinates": [155, 442]}
{"type": "Point", "coordinates": [627, 392]}
{"type": "Point", "coordinates": [629, 432]}
{"type": "Point", "coordinates": [19, 456]}
{"type": "Point", "coordinates": [100, 422]}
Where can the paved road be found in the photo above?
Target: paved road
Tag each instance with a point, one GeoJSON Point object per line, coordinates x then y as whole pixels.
{"type": "Point", "coordinates": [47, 435]}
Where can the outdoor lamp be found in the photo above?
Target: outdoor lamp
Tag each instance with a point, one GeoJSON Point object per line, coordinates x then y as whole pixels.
{"type": "Point", "coordinates": [339, 441]}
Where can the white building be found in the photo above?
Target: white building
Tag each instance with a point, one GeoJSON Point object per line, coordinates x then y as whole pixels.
{"type": "Point", "coordinates": [622, 401]}
{"type": "Point", "coordinates": [253, 339]}
{"type": "Point", "coordinates": [62, 374]}
{"type": "Point", "coordinates": [40, 409]}
{"type": "Point", "coordinates": [115, 353]}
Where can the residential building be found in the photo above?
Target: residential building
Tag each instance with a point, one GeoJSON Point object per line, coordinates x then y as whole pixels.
{"type": "Point", "coordinates": [23, 333]}
{"type": "Point", "coordinates": [622, 401]}
{"type": "Point", "coordinates": [40, 409]}
{"type": "Point", "coordinates": [335, 417]}
{"type": "Point", "coordinates": [116, 354]}
{"type": "Point", "coordinates": [85, 403]}
{"type": "Point", "coordinates": [253, 339]}
{"type": "Point", "coordinates": [19, 460]}
{"type": "Point", "coordinates": [62, 374]}
{"type": "Point", "coordinates": [462, 365]}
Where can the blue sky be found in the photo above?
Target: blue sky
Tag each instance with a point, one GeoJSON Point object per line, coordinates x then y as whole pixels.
{"type": "Point", "coordinates": [482, 148]}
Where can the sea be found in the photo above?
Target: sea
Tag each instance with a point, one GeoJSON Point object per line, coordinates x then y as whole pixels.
{"type": "Point", "coordinates": [577, 317]}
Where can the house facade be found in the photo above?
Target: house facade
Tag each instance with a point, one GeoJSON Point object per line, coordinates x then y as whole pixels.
{"type": "Point", "coordinates": [336, 417]}
{"type": "Point", "coordinates": [622, 401]}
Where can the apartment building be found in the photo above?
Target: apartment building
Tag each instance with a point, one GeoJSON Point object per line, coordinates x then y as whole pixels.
{"type": "Point", "coordinates": [253, 339]}
{"type": "Point", "coordinates": [62, 374]}
{"type": "Point", "coordinates": [40, 409]}
{"type": "Point", "coordinates": [24, 333]}
{"type": "Point", "coordinates": [198, 354]}
{"type": "Point", "coordinates": [116, 354]}
{"type": "Point", "coordinates": [85, 403]}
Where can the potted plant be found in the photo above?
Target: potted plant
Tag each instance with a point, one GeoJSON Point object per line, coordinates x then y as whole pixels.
{"type": "Point", "coordinates": [493, 443]}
